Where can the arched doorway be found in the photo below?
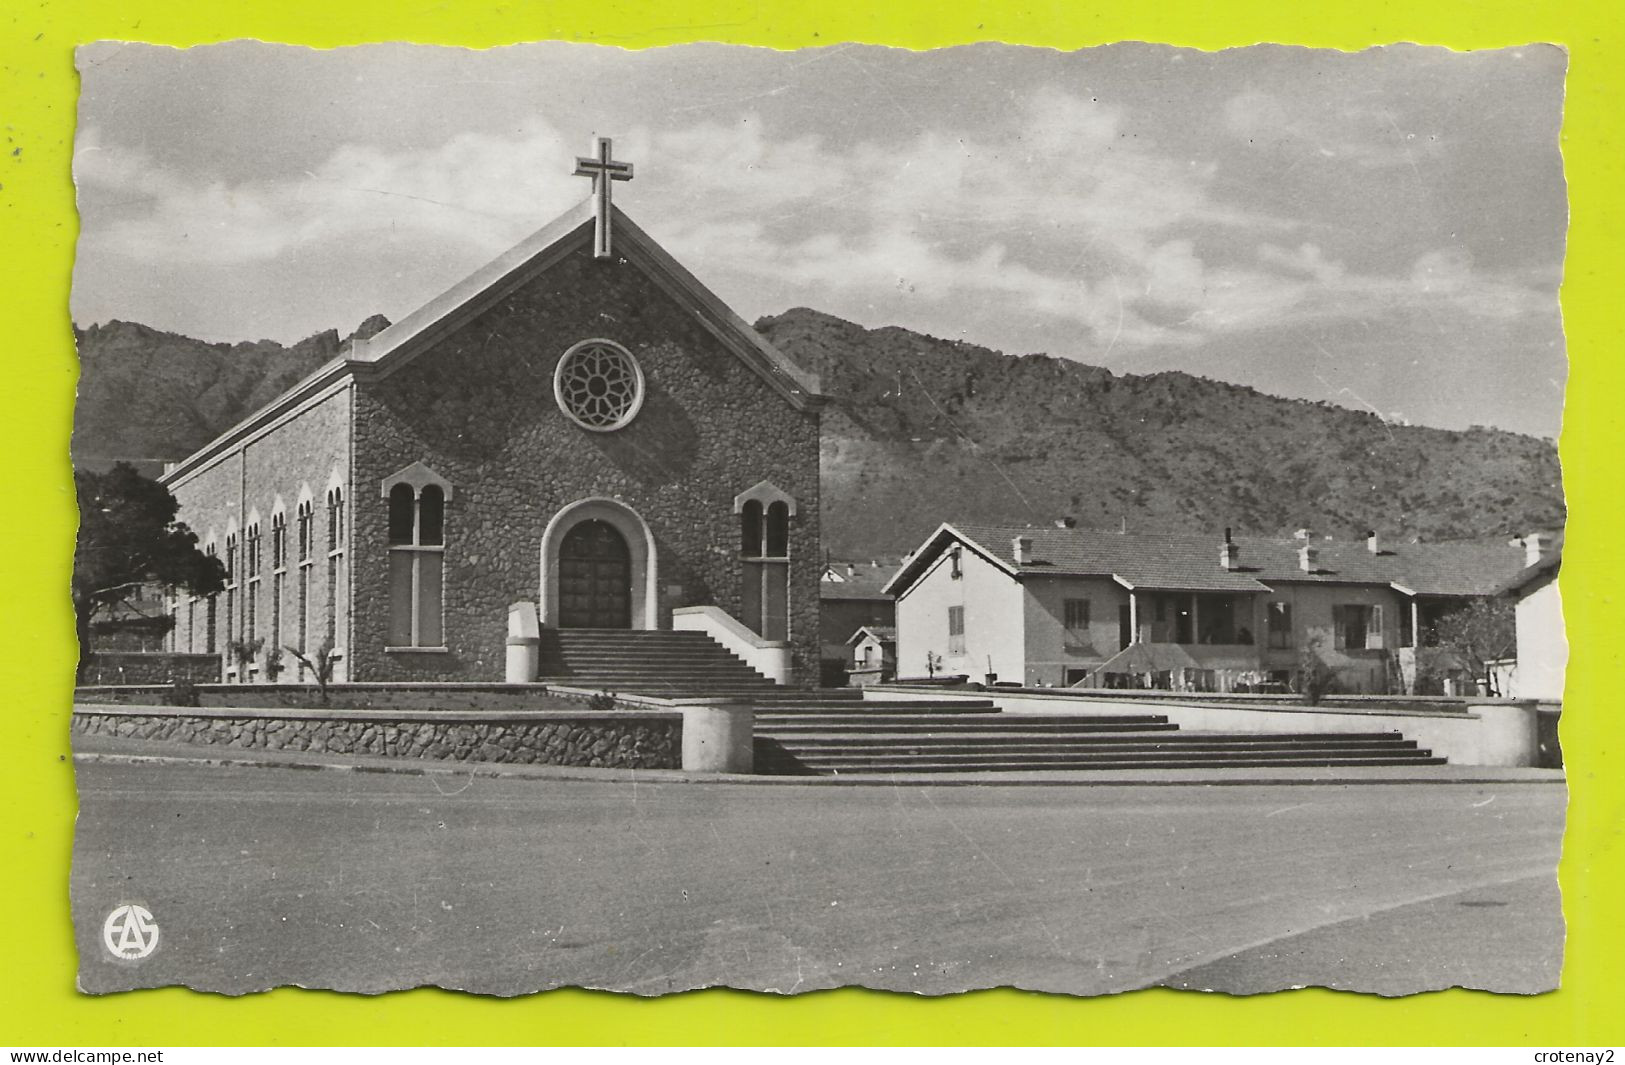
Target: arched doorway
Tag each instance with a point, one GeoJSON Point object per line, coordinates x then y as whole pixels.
{"type": "Point", "coordinates": [595, 578]}
{"type": "Point", "coordinates": [642, 578]}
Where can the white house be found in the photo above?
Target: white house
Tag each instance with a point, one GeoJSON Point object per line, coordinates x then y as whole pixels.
{"type": "Point", "coordinates": [1057, 605]}
{"type": "Point", "coordinates": [1543, 649]}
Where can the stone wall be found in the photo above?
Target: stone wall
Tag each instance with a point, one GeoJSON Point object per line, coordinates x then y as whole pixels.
{"type": "Point", "coordinates": [478, 408]}
{"type": "Point", "coordinates": [614, 739]}
{"type": "Point", "coordinates": [139, 667]}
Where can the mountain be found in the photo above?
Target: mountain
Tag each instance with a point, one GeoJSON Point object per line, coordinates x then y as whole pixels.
{"type": "Point", "coordinates": [918, 430]}
{"type": "Point", "coordinates": [147, 396]}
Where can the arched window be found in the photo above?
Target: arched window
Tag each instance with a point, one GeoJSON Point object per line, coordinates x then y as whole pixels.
{"type": "Point", "coordinates": [231, 599]}
{"type": "Point", "coordinates": [417, 543]}
{"type": "Point", "coordinates": [251, 598]}
{"type": "Point", "coordinates": [279, 579]}
{"type": "Point", "coordinates": [764, 555]}
{"type": "Point", "coordinates": [304, 533]}
{"type": "Point", "coordinates": [337, 586]}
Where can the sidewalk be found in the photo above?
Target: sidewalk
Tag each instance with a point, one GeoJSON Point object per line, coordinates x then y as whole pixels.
{"type": "Point", "coordinates": [159, 752]}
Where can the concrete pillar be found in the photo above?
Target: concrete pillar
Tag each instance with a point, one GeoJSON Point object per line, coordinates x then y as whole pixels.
{"type": "Point", "coordinates": [719, 738]}
{"type": "Point", "coordinates": [524, 644]}
{"type": "Point", "coordinates": [1507, 734]}
{"type": "Point", "coordinates": [1133, 617]}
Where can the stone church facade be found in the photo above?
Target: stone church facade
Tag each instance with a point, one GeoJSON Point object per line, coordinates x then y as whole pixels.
{"type": "Point", "coordinates": [595, 435]}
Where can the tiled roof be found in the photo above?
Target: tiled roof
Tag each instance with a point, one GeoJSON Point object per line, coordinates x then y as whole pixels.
{"type": "Point", "coordinates": [865, 581]}
{"type": "Point", "coordinates": [1186, 562]}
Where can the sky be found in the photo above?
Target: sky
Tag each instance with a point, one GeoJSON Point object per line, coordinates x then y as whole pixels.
{"type": "Point", "coordinates": [1382, 230]}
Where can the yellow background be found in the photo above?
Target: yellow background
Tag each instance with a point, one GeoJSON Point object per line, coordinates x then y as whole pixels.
{"type": "Point", "coordinates": [37, 229]}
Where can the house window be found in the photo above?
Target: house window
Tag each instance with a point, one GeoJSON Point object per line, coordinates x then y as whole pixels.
{"type": "Point", "coordinates": [1077, 615]}
{"type": "Point", "coordinates": [764, 558]}
{"type": "Point", "coordinates": [1356, 626]}
{"type": "Point", "coordinates": [417, 525]}
{"type": "Point", "coordinates": [955, 561]}
{"type": "Point", "coordinates": [1278, 618]}
{"type": "Point", "coordinates": [956, 630]}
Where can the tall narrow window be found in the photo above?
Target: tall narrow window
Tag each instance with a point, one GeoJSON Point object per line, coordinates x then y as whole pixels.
{"type": "Point", "coordinates": [766, 564]}
{"type": "Point", "coordinates": [417, 540]}
{"type": "Point", "coordinates": [956, 630]}
{"type": "Point", "coordinates": [303, 533]}
{"type": "Point", "coordinates": [956, 561]}
{"type": "Point", "coordinates": [251, 597]}
{"type": "Point", "coordinates": [764, 559]}
{"type": "Point", "coordinates": [336, 584]}
{"type": "Point", "coordinates": [231, 594]}
{"type": "Point", "coordinates": [279, 577]}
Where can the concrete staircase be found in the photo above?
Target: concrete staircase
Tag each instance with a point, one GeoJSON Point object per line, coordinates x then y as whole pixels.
{"type": "Point", "coordinates": [886, 741]}
{"type": "Point", "coordinates": [836, 731]}
{"type": "Point", "coordinates": [645, 662]}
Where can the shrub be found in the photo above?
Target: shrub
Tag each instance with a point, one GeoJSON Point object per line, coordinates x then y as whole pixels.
{"type": "Point", "coordinates": [183, 693]}
{"type": "Point", "coordinates": [601, 701]}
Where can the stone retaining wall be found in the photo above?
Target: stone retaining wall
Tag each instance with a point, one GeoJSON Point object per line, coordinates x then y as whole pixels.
{"type": "Point", "coordinates": [611, 740]}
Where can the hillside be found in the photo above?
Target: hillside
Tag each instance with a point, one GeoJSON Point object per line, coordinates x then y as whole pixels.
{"type": "Point", "coordinates": [920, 429]}
{"type": "Point", "coordinates": [147, 396]}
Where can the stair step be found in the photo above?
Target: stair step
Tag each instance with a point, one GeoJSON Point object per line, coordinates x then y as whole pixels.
{"type": "Point", "coordinates": [1024, 764]}
{"type": "Point", "coordinates": [954, 724]}
{"type": "Point", "coordinates": [976, 742]}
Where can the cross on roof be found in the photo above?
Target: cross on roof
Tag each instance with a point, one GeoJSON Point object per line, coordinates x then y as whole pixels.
{"type": "Point", "coordinates": [604, 171]}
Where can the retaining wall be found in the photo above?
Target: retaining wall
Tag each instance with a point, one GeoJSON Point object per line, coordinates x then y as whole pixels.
{"type": "Point", "coordinates": [610, 739]}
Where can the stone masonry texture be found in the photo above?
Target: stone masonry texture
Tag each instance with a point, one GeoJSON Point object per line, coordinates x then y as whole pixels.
{"type": "Point", "coordinates": [477, 407]}
{"type": "Point", "coordinates": [633, 743]}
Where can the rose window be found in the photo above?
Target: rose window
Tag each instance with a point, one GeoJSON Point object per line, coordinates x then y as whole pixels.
{"type": "Point", "coordinates": [599, 385]}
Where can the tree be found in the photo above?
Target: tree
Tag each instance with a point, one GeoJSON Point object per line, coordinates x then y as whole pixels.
{"type": "Point", "coordinates": [128, 536]}
{"type": "Point", "coordinates": [1483, 631]}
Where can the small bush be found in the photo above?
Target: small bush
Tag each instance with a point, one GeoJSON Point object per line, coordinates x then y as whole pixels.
{"type": "Point", "coordinates": [183, 693]}
{"type": "Point", "coordinates": [602, 701]}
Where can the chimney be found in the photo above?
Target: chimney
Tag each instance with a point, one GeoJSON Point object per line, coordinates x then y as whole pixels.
{"type": "Point", "coordinates": [1022, 548]}
{"type": "Point", "coordinates": [1228, 552]}
{"type": "Point", "coordinates": [1534, 548]}
{"type": "Point", "coordinates": [1065, 523]}
{"type": "Point", "coordinates": [1309, 558]}
{"type": "Point", "coordinates": [1373, 543]}
{"type": "Point", "coordinates": [851, 570]}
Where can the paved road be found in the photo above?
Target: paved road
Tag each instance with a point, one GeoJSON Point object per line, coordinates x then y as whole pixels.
{"type": "Point", "coordinates": [365, 881]}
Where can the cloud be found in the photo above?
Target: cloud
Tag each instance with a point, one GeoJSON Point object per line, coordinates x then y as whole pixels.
{"type": "Point", "coordinates": [1061, 214]}
{"type": "Point", "coordinates": [1332, 128]}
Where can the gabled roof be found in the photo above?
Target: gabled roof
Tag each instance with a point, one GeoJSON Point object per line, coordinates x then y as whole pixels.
{"type": "Point", "coordinates": [881, 633]}
{"type": "Point", "coordinates": [544, 248]}
{"type": "Point", "coordinates": [396, 346]}
{"type": "Point", "coordinates": [1190, 563]}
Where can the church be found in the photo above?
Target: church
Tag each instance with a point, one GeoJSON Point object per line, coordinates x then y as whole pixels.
{"type": "Point", "coordinates": [580, 435]}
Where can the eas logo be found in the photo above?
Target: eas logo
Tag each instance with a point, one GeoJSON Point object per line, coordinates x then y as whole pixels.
{"type": "Point", "coordinates": [130, 932]}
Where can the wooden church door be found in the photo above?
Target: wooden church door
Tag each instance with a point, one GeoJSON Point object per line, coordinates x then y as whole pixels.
{"type": "Point", "coordinates": [595, 578]}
